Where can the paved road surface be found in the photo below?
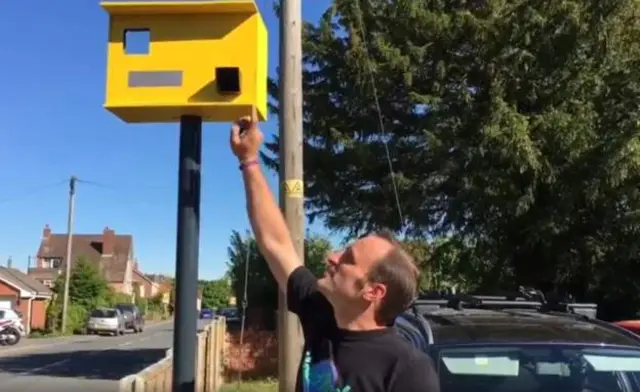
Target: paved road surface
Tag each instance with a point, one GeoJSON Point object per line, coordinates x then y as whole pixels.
{"type": "Point", "coordinates": [81, 363]}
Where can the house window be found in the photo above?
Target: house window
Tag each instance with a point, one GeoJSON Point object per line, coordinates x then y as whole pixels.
{"type": "Point", "coordinates": [52, 262]}
{"type": "Point", "coordinates": [47, 283]}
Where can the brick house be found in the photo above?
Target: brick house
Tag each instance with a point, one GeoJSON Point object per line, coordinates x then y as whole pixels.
{"type": "Point", "coordinates": [166, 289]}
{"type": "Point", "coordinates": [21, 292]}
{"type": "Point", "coordinates": [112, 253]}
{"type": "Point", "coordinates": [144, 287]}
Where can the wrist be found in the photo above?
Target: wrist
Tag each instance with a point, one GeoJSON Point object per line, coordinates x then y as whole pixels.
{"type": "Point", "coordinates": [249, 162]}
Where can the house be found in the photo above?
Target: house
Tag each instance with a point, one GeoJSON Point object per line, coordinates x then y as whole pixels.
{"type": "Point", "coordinates": [112, 253]}
{"type": "Point", "coordinates": [28, 296]}
{"type": "Point", "coordinates": [168, 295]}
{"type": "Point", "coordinates": [166, 289]}
{"type": "Point", "coordinates": [144, 287]}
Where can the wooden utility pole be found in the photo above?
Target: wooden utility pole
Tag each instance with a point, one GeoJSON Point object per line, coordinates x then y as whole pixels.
{"type": "Point", "coordinates": [291, 169]}
{"type": "Point", "coordinates": [67, 259]}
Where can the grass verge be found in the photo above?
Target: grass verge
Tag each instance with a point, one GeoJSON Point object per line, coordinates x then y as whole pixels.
{"type": "Point", "coordinates": [251, 386]}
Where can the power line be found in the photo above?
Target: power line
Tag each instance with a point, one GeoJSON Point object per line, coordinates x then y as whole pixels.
{"type": "Point", "coordinates": [32, 191]}
{"type": "Point", "coordinates": [132, 194]}
{"type": "Point", "coordinates": [123, 186]}
{"type": "Point", "coordinates": [372, 76]}
{"type": "Point", "coordinates": [127, 194]}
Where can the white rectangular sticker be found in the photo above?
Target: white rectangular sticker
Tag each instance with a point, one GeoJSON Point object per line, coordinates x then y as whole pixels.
{"type": "Point", "coordinates": [482, 365]}
{"type": "Point", "coordinates": [605, 363]}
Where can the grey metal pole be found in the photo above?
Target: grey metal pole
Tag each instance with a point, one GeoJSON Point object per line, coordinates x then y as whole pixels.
{"type": "Point", "coordinates": [188, 239]}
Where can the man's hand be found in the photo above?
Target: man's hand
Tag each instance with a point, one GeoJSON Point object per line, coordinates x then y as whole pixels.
{"type": "Point", "coordinates": [246, 138]}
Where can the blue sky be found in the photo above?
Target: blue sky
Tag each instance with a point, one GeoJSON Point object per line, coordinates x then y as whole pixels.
{"type": "Point", "coordinates": [52, 126]}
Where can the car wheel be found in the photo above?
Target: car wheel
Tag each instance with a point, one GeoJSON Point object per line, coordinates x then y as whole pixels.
{"type": "Point", "coordinates": [121, 332]}
{"type": "Point", "coordinates": [16, 338]}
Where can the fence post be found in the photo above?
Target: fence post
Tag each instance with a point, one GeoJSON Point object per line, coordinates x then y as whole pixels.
{"type": "Point", "coordinates": [200, 360]}
{"type": "Point", "coordinates": [139, 384]}
{"type": "Point", "coordinates": [210, 366]}
{"type": "Point", "coordinates": [127, 384]}
{"type": "Point", "coordinates": [220, 351]}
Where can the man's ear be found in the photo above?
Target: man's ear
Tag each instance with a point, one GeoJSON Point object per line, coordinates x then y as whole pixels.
{"type": "Point", "coordinates": [374, 292]}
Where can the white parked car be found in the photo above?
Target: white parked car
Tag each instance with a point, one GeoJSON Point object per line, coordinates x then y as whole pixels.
{"type": "Point", "coordinates": [106, 320]}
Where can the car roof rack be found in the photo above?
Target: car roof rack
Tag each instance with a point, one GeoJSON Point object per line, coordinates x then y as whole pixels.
{"type": "Point", "coordinates": [522, 298]}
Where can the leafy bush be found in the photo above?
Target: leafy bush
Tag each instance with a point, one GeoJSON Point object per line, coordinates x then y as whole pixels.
{"type": "Point", "coordinates": [119, 298]}
{"type": "Point", "coordinates": [76, 321]}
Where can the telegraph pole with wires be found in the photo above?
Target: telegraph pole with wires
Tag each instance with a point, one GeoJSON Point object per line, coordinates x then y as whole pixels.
{"type": "Point", "coordinates": [67, 260]}
{"type": "Point", "coordinates": [291, 170]}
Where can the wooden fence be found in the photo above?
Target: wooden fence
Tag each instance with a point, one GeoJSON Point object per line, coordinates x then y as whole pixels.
{"type": "Point", "coordinates": [209, 365]}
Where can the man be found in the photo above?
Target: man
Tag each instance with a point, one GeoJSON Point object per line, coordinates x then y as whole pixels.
{"type": "Point", "coordinates": [347, 315]}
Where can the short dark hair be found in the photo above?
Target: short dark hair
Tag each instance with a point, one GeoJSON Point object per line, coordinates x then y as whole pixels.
{"type": "Point", "coordinates": [398, 272]}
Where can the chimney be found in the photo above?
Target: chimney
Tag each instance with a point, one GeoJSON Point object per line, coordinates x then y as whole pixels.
{"type": "Point", "coordinates": [108, 241]}
{"type": "Point", "coordinates": [46, 232]}
{"type": "Point", "coordinates": [9, 262]}
{"type": "Point", "coordinates": [135, 265]}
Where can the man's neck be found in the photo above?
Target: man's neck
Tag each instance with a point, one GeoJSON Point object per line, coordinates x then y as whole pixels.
{"type": "Point", "coordinates": [363, 322]}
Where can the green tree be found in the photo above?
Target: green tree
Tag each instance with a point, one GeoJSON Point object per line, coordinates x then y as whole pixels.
{"type": "Point", "coordinates": [511, 128]}
{"type": "Point", "coordinates": [442, 264]}
{"type": "Point", "coordinates": [87, 290]}
{"type": "Point", "coordinates": [262, 290]}
{"type": "Point", "coordinates": [87, 287]}
{"type": "Point", "coordinates": [316, 250]}
{"type": "Point", "coordinates": [215, 293]}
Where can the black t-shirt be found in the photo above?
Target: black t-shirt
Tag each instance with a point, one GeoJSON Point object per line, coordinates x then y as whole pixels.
{"type": "Point", "coordinates": [336, 360]}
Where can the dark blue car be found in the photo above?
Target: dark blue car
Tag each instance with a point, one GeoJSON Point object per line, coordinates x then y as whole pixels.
{"type": "Point", "coordinates": [522, 344]}
{"type": "Point", "coordinates": [206, 314]}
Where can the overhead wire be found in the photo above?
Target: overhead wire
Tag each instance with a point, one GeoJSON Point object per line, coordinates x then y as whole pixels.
{"type": "Point", "coordinates": [411, 326]}
{"type": "Point", "coordinates": [120, 186]}
{"type": "Point", "coordinates": [33, 191]}
{"type": "Point", "coordinates": [383, 131]}
{"type": "Point", "coordinates": [245, 301]}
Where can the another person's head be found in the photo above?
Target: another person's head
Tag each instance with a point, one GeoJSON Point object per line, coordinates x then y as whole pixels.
{"type": "Point", "coordinates": [374, 279]}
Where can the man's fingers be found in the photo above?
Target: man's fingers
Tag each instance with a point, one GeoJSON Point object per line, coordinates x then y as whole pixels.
{"type": "Point", "coordinates": [235, 134]}
{"type": "Point", "coordinates": [254, 114]}
{"type": "Point", "coordinates": [243, 125]}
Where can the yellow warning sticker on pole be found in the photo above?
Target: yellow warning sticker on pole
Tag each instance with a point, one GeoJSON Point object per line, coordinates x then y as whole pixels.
{"type": "Point", "coordinates": [293, 188]}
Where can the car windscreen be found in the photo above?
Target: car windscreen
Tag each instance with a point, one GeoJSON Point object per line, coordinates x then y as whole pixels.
{"type": "Point", "coordinates": [104, 313]}
{"type": "Point", "coordinates": [231, 312]}
{"type": "Point", "coordinates": [537, 368]}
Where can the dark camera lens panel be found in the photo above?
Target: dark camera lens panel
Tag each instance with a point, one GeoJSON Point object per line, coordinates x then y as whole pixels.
{"type": "Point", "coordinates": [228, 80]}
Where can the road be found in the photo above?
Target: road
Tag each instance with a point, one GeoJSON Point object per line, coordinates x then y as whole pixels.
{"type": "Point", "coordinates": [81, 363]}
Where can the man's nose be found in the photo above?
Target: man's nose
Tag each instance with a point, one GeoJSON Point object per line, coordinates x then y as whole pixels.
{"type": "Point", "coordinates": [334, 258]}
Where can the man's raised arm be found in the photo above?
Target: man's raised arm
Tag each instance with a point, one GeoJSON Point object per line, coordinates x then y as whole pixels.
{"type": "Point", "coordinates": [271, 231]}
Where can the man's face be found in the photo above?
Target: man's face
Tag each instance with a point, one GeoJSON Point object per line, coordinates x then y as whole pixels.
{"type": "Point", "coordinates": [345, 280]}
